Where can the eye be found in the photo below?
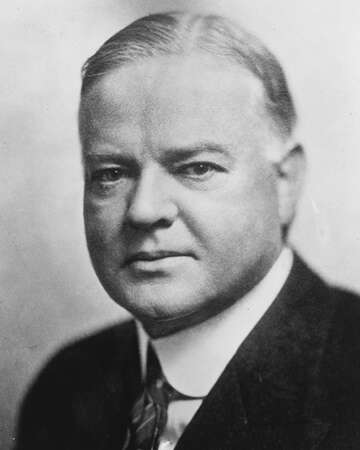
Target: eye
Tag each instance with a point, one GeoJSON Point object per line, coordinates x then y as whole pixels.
{"type": "Point", "coordinates": [200, 170]}
{"type": "Point", "coordinates": [108, 175]}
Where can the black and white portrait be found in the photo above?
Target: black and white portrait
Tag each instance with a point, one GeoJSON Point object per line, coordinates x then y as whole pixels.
{"type": "Point", "coordinates": [180, 225]}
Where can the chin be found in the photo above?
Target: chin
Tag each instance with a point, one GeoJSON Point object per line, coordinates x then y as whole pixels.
{"type": "Point", "coordinates": [158, 307]}
{"type": "Point", "coordinates": [167, 311]}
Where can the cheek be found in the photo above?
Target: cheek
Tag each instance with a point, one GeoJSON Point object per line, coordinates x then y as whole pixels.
{"type": "Point", "coordinates": [240, 211]}
{"type": "Point", "coordinates": [103, 223]}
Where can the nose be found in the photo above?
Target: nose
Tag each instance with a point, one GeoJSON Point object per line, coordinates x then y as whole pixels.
{"type": "Point", "coordinates": [150, 204]}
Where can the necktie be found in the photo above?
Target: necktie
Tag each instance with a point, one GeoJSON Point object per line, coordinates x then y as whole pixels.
{"type": "Point", "coordinates": [149, 414]}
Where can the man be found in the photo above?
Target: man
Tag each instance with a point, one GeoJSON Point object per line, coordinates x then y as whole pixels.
{"type": "Point", "coordinates": [192, 174]}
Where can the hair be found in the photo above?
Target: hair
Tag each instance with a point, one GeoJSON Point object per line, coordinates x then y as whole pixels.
{"type": "Point", "coordinates": [184, 33]}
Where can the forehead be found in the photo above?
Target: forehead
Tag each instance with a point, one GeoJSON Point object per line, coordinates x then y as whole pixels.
{"type": "Point", "coordinates": [174, 98]}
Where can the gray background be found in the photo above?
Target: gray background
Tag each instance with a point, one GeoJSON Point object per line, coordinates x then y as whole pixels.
{"type": "Point", "coordinates": [48, 291]}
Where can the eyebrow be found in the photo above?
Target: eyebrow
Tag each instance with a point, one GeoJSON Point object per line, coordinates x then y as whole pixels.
{"type": "Point", "coordinates": [182, 153]}
{"type": "Point", "coordinates": [108, 157]}
{"type": "Point", "coordinates": [168, 154]}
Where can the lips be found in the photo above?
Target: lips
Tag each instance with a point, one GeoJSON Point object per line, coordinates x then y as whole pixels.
{"type": "Point", "coordinates": [153, 256]}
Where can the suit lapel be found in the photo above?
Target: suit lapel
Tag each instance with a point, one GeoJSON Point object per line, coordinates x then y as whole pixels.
{"type": "Point", "coordinates": [271, 394]}
{"type": "Point", "coordinates": [121, 384]}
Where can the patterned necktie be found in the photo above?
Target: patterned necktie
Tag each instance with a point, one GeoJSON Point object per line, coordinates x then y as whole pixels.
{"type": "Point", "coordinates": [149, 414]}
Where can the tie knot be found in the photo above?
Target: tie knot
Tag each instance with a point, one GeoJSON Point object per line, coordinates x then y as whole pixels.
{"type": "Point", "coordinates": [149, 413]}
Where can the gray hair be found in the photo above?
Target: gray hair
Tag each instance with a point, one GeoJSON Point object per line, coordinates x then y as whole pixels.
{"type": "Point", "coordinates": [181, 33]}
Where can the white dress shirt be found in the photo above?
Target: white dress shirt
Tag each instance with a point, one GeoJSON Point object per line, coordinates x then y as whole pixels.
{"type": "Point", "coordinates": [193, 359]}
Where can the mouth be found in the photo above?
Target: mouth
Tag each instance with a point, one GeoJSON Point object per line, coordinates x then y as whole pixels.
{"type": "Point", "coordinates": [153, 256]}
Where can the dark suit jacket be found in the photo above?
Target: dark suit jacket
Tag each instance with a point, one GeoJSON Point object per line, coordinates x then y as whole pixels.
{"type": "Point", "coordinates": [293, 384]}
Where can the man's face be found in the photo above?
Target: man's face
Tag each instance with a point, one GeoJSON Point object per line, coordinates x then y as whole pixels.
{"type": "Point", "coordinates": [181, 204]}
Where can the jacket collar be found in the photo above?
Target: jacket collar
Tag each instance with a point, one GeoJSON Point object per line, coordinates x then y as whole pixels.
{"type": "Point", "coordinates": [271, 394]}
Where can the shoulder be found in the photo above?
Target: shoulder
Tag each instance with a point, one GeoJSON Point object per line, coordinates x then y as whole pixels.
{"type": "Point", "coordinates": [81, 389]}
{"type": "Point", "coordinates": [343, 306]}
{"type": "Point", "coordinates": [340, 356]}
{"type": "Point", "coordinates": [99, 350]}
{"type": "Point", "coordinates": [339, 302]}
{"type": "Point", "coordinates": [346, 301]}
{"type": "Point", "coordinates": [328, 311]}
{"type": "Point", "coordinates": [345, 327]}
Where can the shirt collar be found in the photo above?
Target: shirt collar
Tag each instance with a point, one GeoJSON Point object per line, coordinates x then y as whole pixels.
{"type": "Point", "coordinates": [193, 359]}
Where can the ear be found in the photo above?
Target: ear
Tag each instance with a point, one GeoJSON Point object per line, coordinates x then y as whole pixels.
{"type": "Point", "coordinates": [290, 178]}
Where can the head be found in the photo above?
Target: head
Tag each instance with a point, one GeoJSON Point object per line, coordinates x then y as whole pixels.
{"type": "Point", "coordinates": [191, 172]}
